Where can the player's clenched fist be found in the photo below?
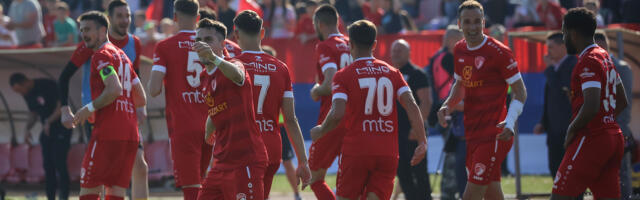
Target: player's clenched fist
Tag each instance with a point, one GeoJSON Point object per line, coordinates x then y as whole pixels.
{"type": "Point", "coordinates": [204, 52]}
{"type": "Point", "coordinates": [443, 115]}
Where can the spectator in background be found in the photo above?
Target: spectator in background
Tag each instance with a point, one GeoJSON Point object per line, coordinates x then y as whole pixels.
{"type": "Point", "coordinates": [498, 31]}
{"type": "Point", "coordinates": [226, 15]}
{"type": "Point", "coordinates": [65, 28]}
{"type": "Point", "coordinates": [525, 15]}
{"type": "Point", "coordinates": [281, 17]}
{"type": "Point", "coordinates": [550, 14]}
{"type": "Point", "coordinates": [26, 20]}
{"type": "Point", "coordinates": [139, 20]}
{"type": "Point", "coordinates": [167, 28]}
{"type": "Point", "coordinates": [391, 22]}
{"type": "Point", "coordinates": [408, 26]}
{"type": "Point", "coordinates": [630, 12]}
{"type": "Point", "coordinates": [7, 37]}
{"type": "Point", "coordinates": [372, 11]}
{"type": "Point", "coordinates": [594, 6]}
{"type": "Point", "coordinates": [49, 16]}
{"type": "Point", "coordinates": [414, 180]}
{"type": "Point", "coordinates": [429, 9]}
{"type": "Point", "coordinates": [624, 118]}
{"type": "Point", "coordinates": [41, 96]}
{"type": "Point", "coordinates": [450, 9]}
{"type": "Point", "coordinates": [556, 113]}
{"type": "Point", "coordinates": [304, 28]}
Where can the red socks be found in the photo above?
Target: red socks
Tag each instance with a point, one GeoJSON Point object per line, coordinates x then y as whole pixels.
{"type": "Point", "coordinates": [190, 193]}
{"type": "Point", "coordinates": [111, 197]}
{"type": "Point", "coordinates": [322, 190]}
{"type": "Point", "coordinates": [90, 197]}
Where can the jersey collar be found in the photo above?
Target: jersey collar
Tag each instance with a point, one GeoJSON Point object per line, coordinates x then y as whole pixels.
{"type": "Point", "coordinates": [589, 47]}
{"type": "Point", "coordinates": [334, 35]}
{"type": "Point", "coordinates": [253, 52]}
{"type": "Point", "coordinates": [364, 58]}
{"type": "Point", "coordinates": [187, 31]}
{"type": "Point", "coordinates": [480, 45]}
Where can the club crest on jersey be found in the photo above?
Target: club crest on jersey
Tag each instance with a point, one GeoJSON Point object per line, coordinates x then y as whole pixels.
{"type": "Point", "coordinates": [479, 61]}
{"type": "Point", "coordinates": [209, 100]}
{"type": "Point", "coordinates": [241, 196]}
{"type": "Point", "coordinates": [479, 169]}
{"type": "Point", "coordinates": [214, 85]}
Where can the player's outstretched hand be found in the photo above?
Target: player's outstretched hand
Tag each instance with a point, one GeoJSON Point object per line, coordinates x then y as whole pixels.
{"type": "Point", "coordinates": [443, 115]}
{"type": "Point", "coordinates": [82, 115]}
{"type": "Point", "coordinates": [316, 133]}
{"type": "Point", "coordinates": [419, 154]}
{"type": "Point", "coordinates": [304, 175]}
{"type": "Point", "coordinates": [204, 52]}
{"type": "Point", "coordinates": [506, 133]}
{"type": "Point", "coordinates": [66, 117]}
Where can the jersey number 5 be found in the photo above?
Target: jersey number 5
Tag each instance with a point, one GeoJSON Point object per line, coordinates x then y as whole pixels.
{"type": "Point", "coordinates": [193, 65]}
{"type": "Point", "coordinates": [383, 89]}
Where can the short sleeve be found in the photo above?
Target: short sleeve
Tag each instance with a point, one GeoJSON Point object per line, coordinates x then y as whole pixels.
{"type": "Point", "coordinates": [159, 59]}
{"type": "Point", "coordinates": [589, 74]}
{"type": "Point", "coordinates": [81, 55]}
{"type": "Point", "coordinates": [507, 66]}
{"type": "Point", "coordinates": [457, 66]}
{"type": "Point", "coordinates": [100, 61]}
{"type": "Point", "coordinates": [288, 87]}
{"type": "Point", "coordinates": [339, 86]}
{"type": "Point", "coordinates": [400, 84]}
{"type": "Point", "coordinates": [326, 59]}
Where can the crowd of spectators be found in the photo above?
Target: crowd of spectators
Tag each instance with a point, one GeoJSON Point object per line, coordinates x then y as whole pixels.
{"type": "Point", "coordinates": [50, 23]}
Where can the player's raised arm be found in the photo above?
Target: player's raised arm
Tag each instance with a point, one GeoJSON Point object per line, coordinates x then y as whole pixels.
{"type": "Point", "coordinates": [621, 97]}
{"type": "Point", "coordinates": [234, 71]}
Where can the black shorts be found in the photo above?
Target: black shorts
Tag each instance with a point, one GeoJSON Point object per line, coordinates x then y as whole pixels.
{"type": "Point", "coordinates": [287, 151]}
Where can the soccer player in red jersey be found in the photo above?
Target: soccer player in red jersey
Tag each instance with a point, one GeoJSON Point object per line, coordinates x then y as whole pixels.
{"type": "Point", "coordinates": [364, 95]}
{"type": "Point", "coordinates": [177, 66]}
{"type": "Point", "coordinates": [272, 93]}
{"type": "Point", "coordinates": [239, 152]}
{"type": "Point", "coordinates": [332, 55]}
{"type": "Point", "coordinates": [484, 68]}
{"type": "Point", "coordinates": [119, 15]}
{"type": "Point", "coordinates": [116, 92]}
{"type": "Point", "coordinates": [594, 141]}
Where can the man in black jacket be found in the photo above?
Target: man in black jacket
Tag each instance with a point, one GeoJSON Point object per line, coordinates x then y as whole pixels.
{"type": "Point", "coordinates": [557, 107]}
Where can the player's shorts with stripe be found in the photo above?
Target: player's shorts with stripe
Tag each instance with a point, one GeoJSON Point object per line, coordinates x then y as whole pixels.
{"type": "Point", "coordinates": [359, 175]}
{"type": "Point", "coordinates": [591, 161]}
{"type": "Point", "coordinates": [108, 163]}
{"type": "Point", "coordinates": [240, 183]}
{"type": "Point", "coordinates": [484, 160]}
{"type": "Point", "coordinates": [191, 157]}
{"type": "Point", "coordinates": [324, 151]}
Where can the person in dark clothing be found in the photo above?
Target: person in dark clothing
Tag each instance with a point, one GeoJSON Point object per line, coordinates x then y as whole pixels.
{"type": "Point", "coordinates": [557, 107]}
{"type": "Point", "coordinates": [41, 96]}
{"type": "Point", "coordinates": [391, 21]}
{"type": "Point", "coordinates": [413, 180]}
{"type": "Point", "coordinates": [226, 15]}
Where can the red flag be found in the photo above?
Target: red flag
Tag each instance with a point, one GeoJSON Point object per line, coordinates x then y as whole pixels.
{"type": "Point", "coordinates": [249, 5]}
{"type": "Point", "coordinates": [154, 11]}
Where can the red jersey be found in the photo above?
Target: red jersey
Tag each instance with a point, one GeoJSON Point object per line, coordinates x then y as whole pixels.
{"type": "Point", "coordinates": [82, 54]}
{"type": "Point", "coordinates": [271, 83]}
{"type": "Point", "coordinates": [331, 53]}
{"type": "Point", "coordinates": [185, 107]}
{"type": "Point", "coordinates": [551, 16]}
{"type": "Point", "coordinates": [116, 121]}
{"type": "Point", "coordinates": [231, 49]}
{"type": "Point", "coordinates": [596, 69]}
{"type": "Point", "coordinates": [230, 106]}
{"type": "Point", "coordinates": [486, 72]}
{"type": "Point", "coordinates": [371, 87]}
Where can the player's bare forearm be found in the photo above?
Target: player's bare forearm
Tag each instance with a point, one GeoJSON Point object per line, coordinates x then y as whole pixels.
{"type": "Point", "coordinates": [621, 99]}
{"type": "Point", "coordinates": [324, 89]}
{"type": "Point", "coordinates": [336, 113]}
{"type": "Point", "coordinates": [589, 109]}
{"type": "Point", "coordinates": [519, 91]}
{"type": "Point", "coordinates": [209, 128]}
{"type": "Point", "coordinates": [455, 96]}
{"type": "Point", "coordinates": [293, 129]}
{"type": "Point", "coordinates": [111, 91]}
{"type": "Point", "coordinates": [155, 83]}
{"type": "Point", "coordinates": [424, 95]}
{"type": "Point", "coordinates": [415, 118]}
{"type": "Point", "coordinates": [139, 96]}
{"type": "Point", "coordinates": [233, 71]}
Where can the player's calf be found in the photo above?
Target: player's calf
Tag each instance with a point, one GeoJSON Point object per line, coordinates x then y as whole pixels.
{"type": "Point", "coordinates": [140, 182]}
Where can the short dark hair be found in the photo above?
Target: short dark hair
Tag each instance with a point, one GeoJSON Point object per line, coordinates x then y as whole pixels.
{"type": "Point", "coordinates": [556, 37]}
{"type": "Point", "coordinates": [186, 7]}
{"type": "Point", "coordinates": [249, 22]}
{"type": "Point", "coordinates": [214, 25]}
{"type": "Point", "coordinates": [599, 36]}
{"type": "Point", "coordinates": [470, 4]}
{"type": "Point", "coordinates": [326, 14]}
{"type": "Point", "coordinates": [114, 4]}
{"type": "Point", "coordinates": [95, 16]}
{"type": "Point", "coordinates": [582, 20]}
{"type": "Point", "coordinates": [62, 6]}
{"type": "Point", "coordinates": [362, 33]}
{"type": "Point", "coordinates": [208, 13]}
{"type": "Point", "coordinates": [17, 78]}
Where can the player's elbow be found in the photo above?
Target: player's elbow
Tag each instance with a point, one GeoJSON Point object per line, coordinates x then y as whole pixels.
{"type": "Point", "coordinates": [154, 90]}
